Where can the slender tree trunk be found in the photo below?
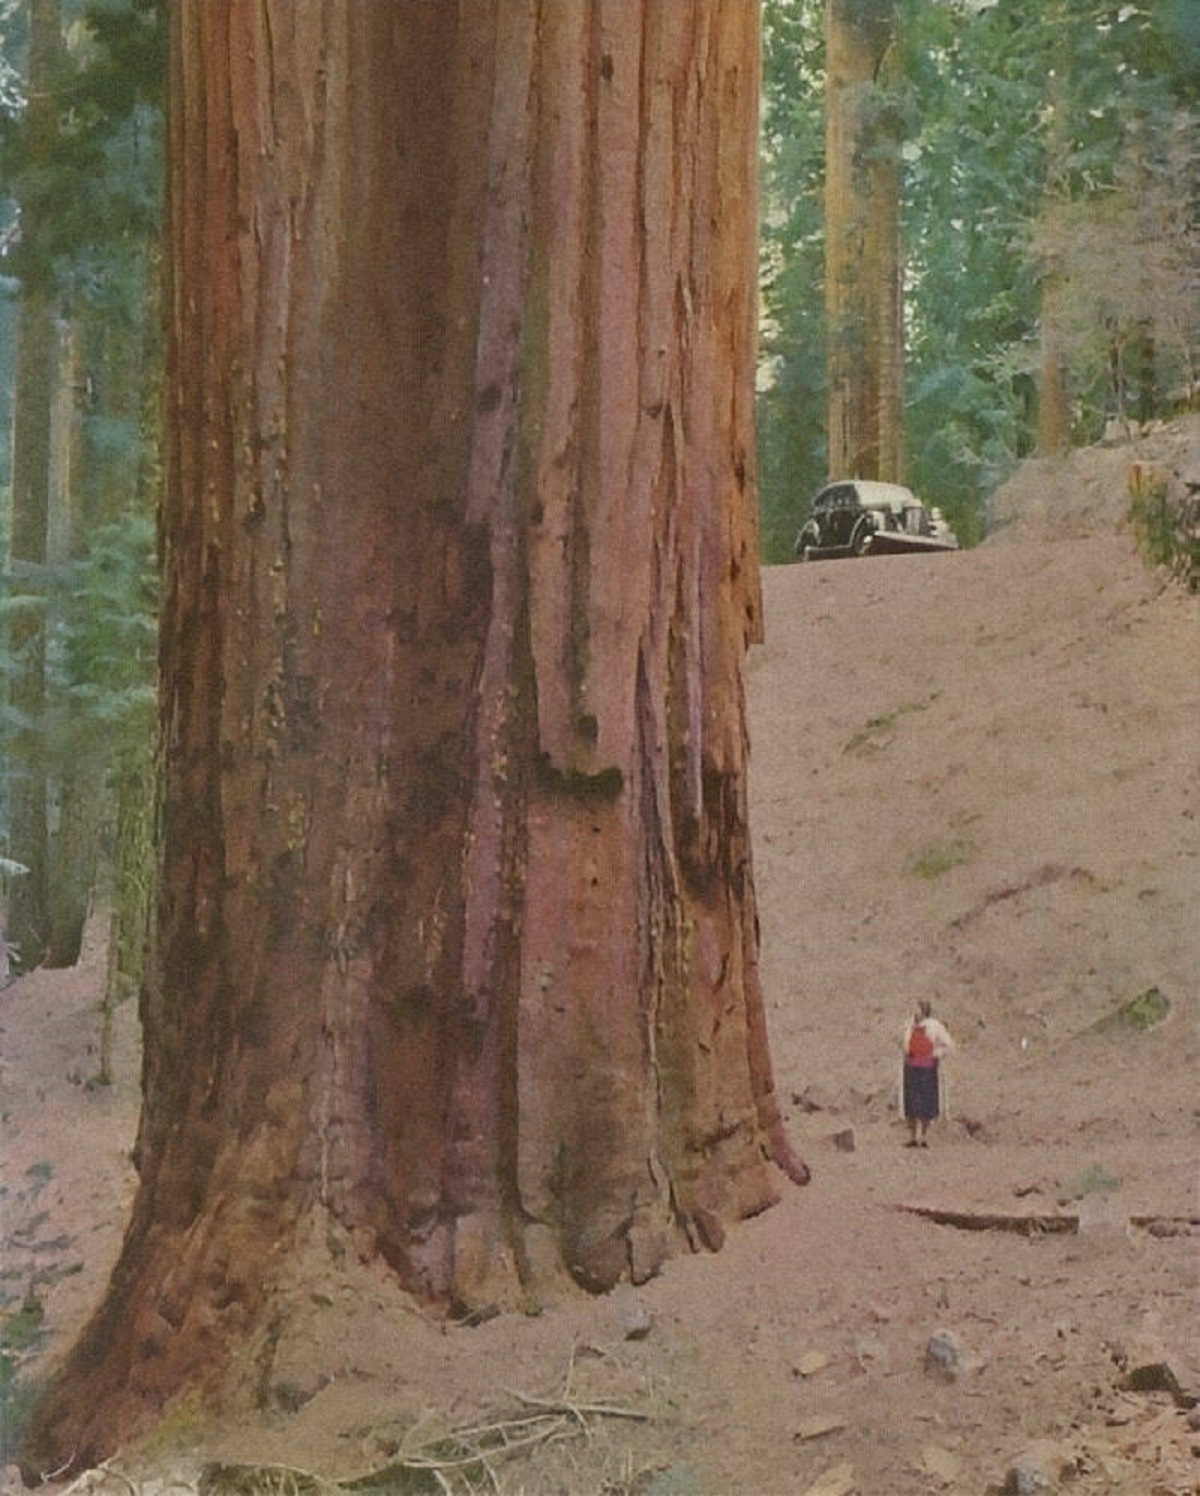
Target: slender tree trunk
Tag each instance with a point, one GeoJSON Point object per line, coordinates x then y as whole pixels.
{"type": "Point", "coordinates": [75, 760]}
{"type": "Point", "coordinates": [130, 362]}
{"type": "Point", "coordinates": [1054, 411]}
{"type": "Point", "coordinates": [863, 284]}
{"type": "Point", "coordinates": [133, 887]}
{"type": "Point", "coordinates": [28, 915]}
{"type": "Point", "coordinates": [37, 381]}
{"type": "Point", "coordinates": [890, 320]}
{"type": "Point", "coordinates": [457, 953]}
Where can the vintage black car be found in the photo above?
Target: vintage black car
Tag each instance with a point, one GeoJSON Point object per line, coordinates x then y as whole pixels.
{"type": "Point", "coordinates": [861, 518]}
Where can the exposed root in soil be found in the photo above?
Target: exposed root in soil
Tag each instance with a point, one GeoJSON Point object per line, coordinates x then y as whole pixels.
{"type": "Point", "coordinates": [1045, 875]}
{"type": "Point", "coordinates": [1020, 1225]}
{"type": "Point", "coordinates": [1046, 1224]}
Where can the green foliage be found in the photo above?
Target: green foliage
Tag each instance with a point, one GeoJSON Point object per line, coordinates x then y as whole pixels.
{"type": "Point", "coordinates": [877, 731]}
{"type": "Point", "coordinates": [22, 1329]}
{"type": "Point", "coordinates": [1095, 1180]}
{"type": "Point", "coordinates": [935, 862]}
{"type": "Point", "coordinates": [101, 617]}
{"type": "Point", "coordinates": [90, 194]}
{"type": "Point", "coordinates": [1124, 295]}
{"type": "Point", "coordinates": [791, 406]}
{"type": "Point", "coordinates": [80, 211]}
{"type": "Point", "coordinates": [1152, 520]}
{"type": "Point", "coordinates": [12, 37]}
{"type": "Point", "coordinates": [1028, 132]}
{"type": "Point", "coordinates": [1141, 1012]}
{"type": "Point", "coordinates": [110, 625]}
{"type": "Point", "coordinates": [20, 1332]}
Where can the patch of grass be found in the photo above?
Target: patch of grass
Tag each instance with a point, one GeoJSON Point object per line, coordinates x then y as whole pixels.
{"type": "Point", "coordinates": [877, 728]}
{"type": "Point", "coordinates": [17, 1397]}
{"type": "Point", "coordinates": [182, 1426]}
{"type": "Point", "coordinates": [1166, 527]}
{"type": "Point", "coordinates": [1095, 1180]}
{"type": "Point", "coordinates": [675, 1480]}
{"type": "Point", "coordinates": [1138, 1014]}
{"type": "Point", "coordinates": [934, 862]}
{"type": "Point", "coordinates": [40, 1174]}
{"type": "Point", "coordinates": [1144, 1010]}
{"type": "Point", "coordinates": [20, 1332]}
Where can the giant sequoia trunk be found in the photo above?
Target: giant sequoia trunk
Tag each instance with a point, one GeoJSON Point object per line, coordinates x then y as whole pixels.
{"type": "Point", "coordinates": [863, 266]}
{"type": "Point", "coordinates": [457, 946]}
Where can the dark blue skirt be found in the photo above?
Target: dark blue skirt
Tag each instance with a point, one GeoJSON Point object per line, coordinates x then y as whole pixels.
{"type": "Point", "coordinates": [921, 1092]}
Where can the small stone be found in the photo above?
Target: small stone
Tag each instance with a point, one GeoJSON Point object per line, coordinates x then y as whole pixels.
{"type": "Point", "coordinates": [1037, 1469]}
{"type": "Point", "coordinates": [945, 1355]}
{"type": "Point", "coordinates": [839, 1481]}
{"type": "Point", "coordinates": [843, 1141]}
{"type": "Point", "coordinates": [675, 1480]}
{"type": "Point", "coordinates": [1024, 1479]}
{"type": "Point", "coordinates": [941, 1465]}
{"type": "Point", "coordinates": [870, 1352]}
{"type": "Point", "coordinates": [810, 1363]}
{"type": "Point", "coordinates": [633, 1318]}
{"type": "Point", "coordinates": [1155, 1376]}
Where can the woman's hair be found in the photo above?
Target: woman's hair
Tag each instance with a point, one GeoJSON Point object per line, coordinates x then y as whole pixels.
{"type": "Point", "coordinates": [925, 1007]}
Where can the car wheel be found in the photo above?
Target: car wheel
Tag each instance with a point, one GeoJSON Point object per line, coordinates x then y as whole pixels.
{"type": "Point", "coordinates": [804, 544]}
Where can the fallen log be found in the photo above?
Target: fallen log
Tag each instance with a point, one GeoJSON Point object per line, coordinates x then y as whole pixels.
{"type": "Point", "coordinates": [1020, 1225]}
{"type": "Point", "coordinates": [1160, 1225]}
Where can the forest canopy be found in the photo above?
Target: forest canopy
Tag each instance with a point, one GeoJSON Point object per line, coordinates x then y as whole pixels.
{"type": "Point", "coordinates": [1049, 157]}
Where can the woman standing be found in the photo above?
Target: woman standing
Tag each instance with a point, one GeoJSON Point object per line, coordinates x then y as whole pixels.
{"type": "Point", "coordinates": [925, 1042]}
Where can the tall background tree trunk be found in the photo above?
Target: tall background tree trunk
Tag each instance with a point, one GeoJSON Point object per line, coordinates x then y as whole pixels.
{"type": "Point", "coordinates": [38, 370]}
{"type": "Point", "coordinates": [75, 752]}
{"type": "Point", "coordinates": [863, 268]}
{"type": "Point", "coordinates": [457, 957]}
{"type": "Point", "coordinates": [1054, 411]}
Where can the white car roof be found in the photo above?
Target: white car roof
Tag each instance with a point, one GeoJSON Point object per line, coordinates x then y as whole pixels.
{"type": "Point", "coordinates": [885, 495]}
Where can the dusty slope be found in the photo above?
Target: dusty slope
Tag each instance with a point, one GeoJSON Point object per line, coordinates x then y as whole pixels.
{"type": "Point", "coordinates": [974, 779]}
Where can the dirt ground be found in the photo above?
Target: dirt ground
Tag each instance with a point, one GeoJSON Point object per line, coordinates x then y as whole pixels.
{"type": "Point", "coordinates": [974, 779]}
